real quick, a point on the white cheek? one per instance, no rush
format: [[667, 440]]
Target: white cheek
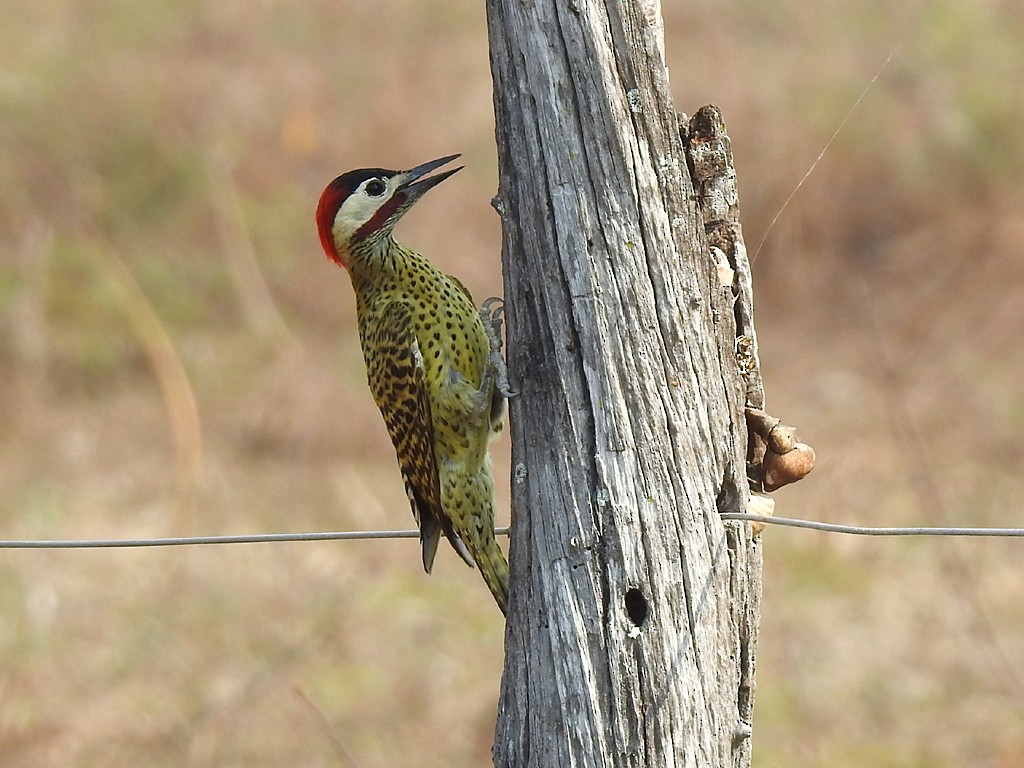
[[355, 212]]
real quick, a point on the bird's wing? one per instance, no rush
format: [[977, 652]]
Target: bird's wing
[[398, 383], [460, 286]]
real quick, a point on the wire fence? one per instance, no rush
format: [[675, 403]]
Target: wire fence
[[271, 538], [862, 530], [179, 541]]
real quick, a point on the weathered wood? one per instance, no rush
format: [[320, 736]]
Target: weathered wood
[[714, 178], [633, 613]]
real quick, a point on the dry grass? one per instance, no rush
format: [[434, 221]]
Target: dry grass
[[188, 142]]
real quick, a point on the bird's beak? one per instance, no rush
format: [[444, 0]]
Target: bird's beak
[[413, 185]]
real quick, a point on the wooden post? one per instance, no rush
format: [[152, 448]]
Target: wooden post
[[634, 609]]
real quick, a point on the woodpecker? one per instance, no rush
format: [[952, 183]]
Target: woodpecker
[[433, 362]]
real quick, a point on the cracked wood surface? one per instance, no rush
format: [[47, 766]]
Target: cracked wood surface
[[633, 612]]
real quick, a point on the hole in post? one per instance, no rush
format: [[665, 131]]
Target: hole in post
[[636, 606]]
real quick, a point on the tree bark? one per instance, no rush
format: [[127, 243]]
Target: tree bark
[[633, 613]]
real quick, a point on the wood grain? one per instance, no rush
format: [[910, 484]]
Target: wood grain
[[633, 610]]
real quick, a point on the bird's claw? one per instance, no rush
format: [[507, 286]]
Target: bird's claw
[[493, 318], [492, 312], [497, 362]]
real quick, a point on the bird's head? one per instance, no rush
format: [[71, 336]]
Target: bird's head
[[360, 207]]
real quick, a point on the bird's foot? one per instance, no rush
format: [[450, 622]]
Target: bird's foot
[[492, 312]]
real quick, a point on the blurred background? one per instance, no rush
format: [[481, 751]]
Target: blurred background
[[177, 357]]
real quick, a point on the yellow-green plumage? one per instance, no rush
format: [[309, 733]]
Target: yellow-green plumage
[[426, 351], [433, 367]]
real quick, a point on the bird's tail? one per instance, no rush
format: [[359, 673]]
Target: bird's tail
[[494, 568], [471, 531]]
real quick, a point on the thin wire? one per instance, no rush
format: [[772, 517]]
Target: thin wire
[[828, 145], [271, 538], [256, 538], [860, 530]]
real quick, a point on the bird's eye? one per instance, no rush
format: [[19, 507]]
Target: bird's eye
[[375, 187]]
